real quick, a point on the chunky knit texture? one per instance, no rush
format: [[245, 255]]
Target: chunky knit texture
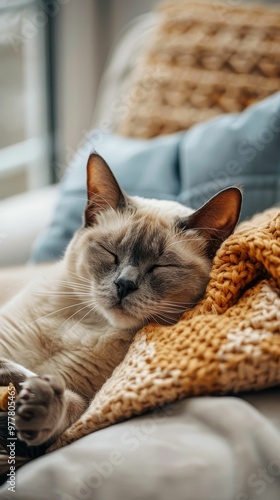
[[206, 58], [229, 342]]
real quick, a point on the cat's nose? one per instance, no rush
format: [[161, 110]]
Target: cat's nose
[[125, 287]]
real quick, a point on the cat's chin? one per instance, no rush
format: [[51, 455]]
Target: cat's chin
[[118, 318]]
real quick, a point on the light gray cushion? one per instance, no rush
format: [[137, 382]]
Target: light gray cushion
[[198, 449]]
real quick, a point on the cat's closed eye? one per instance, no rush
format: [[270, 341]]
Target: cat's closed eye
[[115, 256], [152, 268], [160, 266]]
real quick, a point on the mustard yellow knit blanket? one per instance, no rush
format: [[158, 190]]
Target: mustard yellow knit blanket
[[229, 342]]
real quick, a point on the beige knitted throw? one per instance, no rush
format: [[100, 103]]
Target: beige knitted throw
[[229, 342], [205, 58]]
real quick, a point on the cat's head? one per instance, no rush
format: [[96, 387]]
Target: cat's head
[[146, 260]]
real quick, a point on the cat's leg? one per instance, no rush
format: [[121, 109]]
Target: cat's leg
[[13, 372], [44, 409]]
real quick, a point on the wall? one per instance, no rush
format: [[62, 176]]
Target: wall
[[85, 31]]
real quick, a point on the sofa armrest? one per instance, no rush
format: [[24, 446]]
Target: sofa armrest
[[22, 217]]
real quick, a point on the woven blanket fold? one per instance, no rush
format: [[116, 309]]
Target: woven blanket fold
[[229, 342], [205, 58]]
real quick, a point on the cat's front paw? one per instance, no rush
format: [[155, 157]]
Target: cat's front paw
[[40, 409]]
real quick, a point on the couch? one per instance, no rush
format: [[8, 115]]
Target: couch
[[207, 448]]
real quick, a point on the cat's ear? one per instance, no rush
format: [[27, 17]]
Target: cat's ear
[[103, 190], [217, 218]]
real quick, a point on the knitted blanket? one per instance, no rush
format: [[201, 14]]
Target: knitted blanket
[[205, 58], [229, 342]]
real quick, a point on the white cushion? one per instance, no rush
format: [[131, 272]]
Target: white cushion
[[22, 217]]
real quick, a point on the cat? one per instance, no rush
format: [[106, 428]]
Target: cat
[[135, 260]]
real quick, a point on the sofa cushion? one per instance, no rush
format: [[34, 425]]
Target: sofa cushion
[[22, 218], [235, 149], [205, 58], [209, 448]]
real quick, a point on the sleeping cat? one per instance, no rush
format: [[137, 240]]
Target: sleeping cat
[[134, 261]]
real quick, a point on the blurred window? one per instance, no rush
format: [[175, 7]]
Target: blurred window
[[24, 143]]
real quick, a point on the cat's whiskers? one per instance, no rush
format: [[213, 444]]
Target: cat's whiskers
[[72, 288], [150, 317], [64, 323], [179, 306], [165, 319], [92, 309], [88, 304], [174, 311], [66, 295], [58, 293], [72, 284], [76, 287], [165, 310], [176, 307], [82, 278], [178, 302], [54, 312], [169, 317]]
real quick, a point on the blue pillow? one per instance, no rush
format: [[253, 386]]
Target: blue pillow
[[237, 149], [190, 167]]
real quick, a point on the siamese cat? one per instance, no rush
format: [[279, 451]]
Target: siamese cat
[[134, 261]]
